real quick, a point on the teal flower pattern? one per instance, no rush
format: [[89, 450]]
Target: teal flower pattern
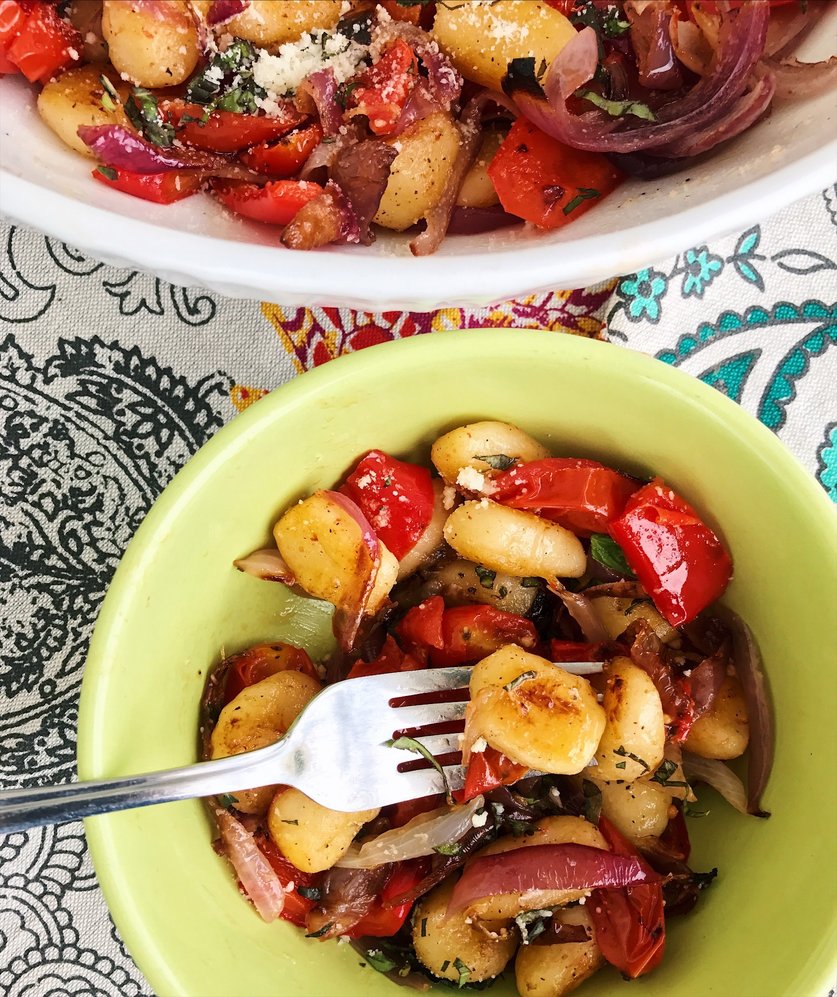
[[700, 268], [641, 294]]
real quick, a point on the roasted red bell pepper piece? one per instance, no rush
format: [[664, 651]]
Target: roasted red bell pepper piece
[[383, 921], [381, 91], [228, 131], [582, 495], [263, 660], [486, 771], [396, 497], [276, 203], [678, 559], [422, 625], [547, 183], [629, 923], [287, 156], [572, 650], [36, 40], [161, 188]]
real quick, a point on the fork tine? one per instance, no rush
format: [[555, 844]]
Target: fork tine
[[439, 744], [418, 682], [407, 717], [428, 782]]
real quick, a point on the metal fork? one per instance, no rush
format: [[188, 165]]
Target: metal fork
[[336, 752]]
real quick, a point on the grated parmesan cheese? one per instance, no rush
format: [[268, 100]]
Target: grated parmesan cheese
[[471, 479], [479, 745], [478, 820]]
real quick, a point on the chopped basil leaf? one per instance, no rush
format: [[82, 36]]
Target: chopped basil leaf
[[344, 92], [607, 551], [309, 892], [107, 171], [502, 591], [666, 769], [357, 26], [387, 482], [377, 960], [411, 744], [624, 753], [521, 76], [612, 25], [632, 605], [290, 821], [226, 800], [690, 810], [531, 924], [498, 461], [424, 927], [521, 678], [110, 98], [518, 827], [584, 194], [451, 848], [592, 801], [618, 108], [621, 765], [463, 970], [444, 965], [530, 583], [322, 931], [144, 115], [486, 577]]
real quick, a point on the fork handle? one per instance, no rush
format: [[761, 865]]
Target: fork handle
[[22, 809]]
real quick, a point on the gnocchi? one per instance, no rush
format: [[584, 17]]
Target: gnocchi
[[722, 732], [152, 46], [555, 970], [469, 446], [78, 98], [638, 809]]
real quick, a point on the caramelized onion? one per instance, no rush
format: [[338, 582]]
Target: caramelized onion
[[267, 564], [254, 871]]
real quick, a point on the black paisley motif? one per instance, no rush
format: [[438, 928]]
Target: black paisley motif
[[22, 298]]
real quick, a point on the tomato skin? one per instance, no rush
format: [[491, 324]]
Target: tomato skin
[[383, 921], [422, 626], [629, 923], [296, 906], [161, 188], [571, 650], [382, 90], [12, 18], [486, 771], [674, 554], [470, 633], [228, 131], [391, 659], [582, 495], [547, 183], [287, 156], [276, 203], [41, 43], [263, 660], [396, 497]]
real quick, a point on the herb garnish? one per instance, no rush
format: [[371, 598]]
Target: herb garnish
[[584, 194], [451, 848], [623, 752], [424, 927], [498, 461], [592, 801], [689, 810], [110, 98], [310, 892], [530, 583], [531, 924], [521, 678], [320, 932], [666, 769], [411, 744], [486, 576], [107, 171], [144, 114], [618, 108], [226, 800], [463, 970], [377, 960], [444, 965], [290, 821], [607, 551]]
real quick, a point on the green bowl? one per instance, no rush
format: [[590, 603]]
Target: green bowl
[[176, 604]]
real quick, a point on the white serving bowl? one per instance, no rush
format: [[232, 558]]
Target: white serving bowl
[[195, 243]]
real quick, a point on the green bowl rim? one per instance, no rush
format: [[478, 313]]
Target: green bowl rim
[[102, 842]]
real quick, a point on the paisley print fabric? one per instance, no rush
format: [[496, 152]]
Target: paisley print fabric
[[110, 380]]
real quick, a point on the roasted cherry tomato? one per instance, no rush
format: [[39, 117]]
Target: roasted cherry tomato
[[262, 661], [396, 497], [276, 203], [629, 923], [228, 131], [547, 183], [678, 559], [422, 625], [296, 905], [287, 156], [381, 91], [487, 770], [391, 659], [582, 495], [470, 633], [383, 921], [571, 650], [161, 188]]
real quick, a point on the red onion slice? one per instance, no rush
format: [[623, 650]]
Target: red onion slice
[[443, 81], [225, 10], [547, 867], [254, 871], [361, 171], [266, 564], [576, 63], [318, 92], [796, 79], [581, 609], [477, 221], [720, 777]]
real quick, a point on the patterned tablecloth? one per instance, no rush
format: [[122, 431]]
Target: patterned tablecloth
[[110, 380]]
